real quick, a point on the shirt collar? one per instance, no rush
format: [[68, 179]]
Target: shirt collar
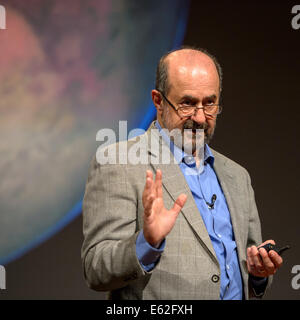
[[179, 154]]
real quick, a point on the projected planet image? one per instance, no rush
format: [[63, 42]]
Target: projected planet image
[[67, 70]]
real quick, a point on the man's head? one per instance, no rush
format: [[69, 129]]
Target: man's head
[[187, 77]]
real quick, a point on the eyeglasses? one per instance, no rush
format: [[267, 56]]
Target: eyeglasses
[[189, 111]]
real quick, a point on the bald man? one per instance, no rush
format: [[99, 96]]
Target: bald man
[[186, 229]]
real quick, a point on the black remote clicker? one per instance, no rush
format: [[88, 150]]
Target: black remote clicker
[[270, 246]]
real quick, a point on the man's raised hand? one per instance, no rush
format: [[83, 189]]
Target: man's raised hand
[[158, 221]]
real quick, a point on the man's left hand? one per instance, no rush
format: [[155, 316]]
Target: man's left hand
[[261, 263]]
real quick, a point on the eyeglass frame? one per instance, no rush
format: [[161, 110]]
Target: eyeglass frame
[[195, 108]]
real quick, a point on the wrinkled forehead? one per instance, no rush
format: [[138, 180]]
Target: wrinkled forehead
[[192, 70]]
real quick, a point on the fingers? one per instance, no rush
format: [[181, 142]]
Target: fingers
[[255, 263], [272, 258], [153, 191], [268, 241], [262, 263], [158, 184], [149, 180], [148, 204], [256, 258], [151, 186], [149, 175], [179, 203], [148, 194], [267, 262], [275, 258]]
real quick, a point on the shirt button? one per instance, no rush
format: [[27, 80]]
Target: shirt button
[[227, 266], [215, 278], [219, 235]]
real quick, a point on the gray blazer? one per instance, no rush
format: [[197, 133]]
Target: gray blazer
[[188, 267]]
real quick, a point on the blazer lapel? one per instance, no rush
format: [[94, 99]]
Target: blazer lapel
[[231, 192], [174, 183]]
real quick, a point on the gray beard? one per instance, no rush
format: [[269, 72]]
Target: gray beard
[[189, 145], [192, 125]]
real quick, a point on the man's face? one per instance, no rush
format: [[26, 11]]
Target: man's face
[[192, 83]]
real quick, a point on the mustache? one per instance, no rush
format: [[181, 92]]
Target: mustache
[[192, 125]]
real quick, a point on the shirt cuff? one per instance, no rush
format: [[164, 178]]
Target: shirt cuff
[[147, 255], [258, 285]]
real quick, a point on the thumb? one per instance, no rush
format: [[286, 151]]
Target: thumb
[[179, 203]]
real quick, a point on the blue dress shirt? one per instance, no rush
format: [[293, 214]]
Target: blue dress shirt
[[203, 184]]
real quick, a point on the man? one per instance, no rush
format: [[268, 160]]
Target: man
[[193, 231]]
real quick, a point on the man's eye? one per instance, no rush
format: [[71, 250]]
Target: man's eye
[[187, 103]]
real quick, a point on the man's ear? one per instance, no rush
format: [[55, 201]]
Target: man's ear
[[157, 100]]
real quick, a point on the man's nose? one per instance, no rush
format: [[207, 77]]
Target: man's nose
[[199, 116]]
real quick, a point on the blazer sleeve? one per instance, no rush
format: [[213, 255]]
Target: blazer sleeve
[[110, 229], [255, 238]]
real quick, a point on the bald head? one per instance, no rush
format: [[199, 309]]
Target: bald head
[[187, 61], [188, 78]]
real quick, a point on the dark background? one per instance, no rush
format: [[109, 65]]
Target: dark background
[[260, 55]]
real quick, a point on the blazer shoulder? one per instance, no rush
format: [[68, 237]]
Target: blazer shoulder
[[121, 153], [231, 164]]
